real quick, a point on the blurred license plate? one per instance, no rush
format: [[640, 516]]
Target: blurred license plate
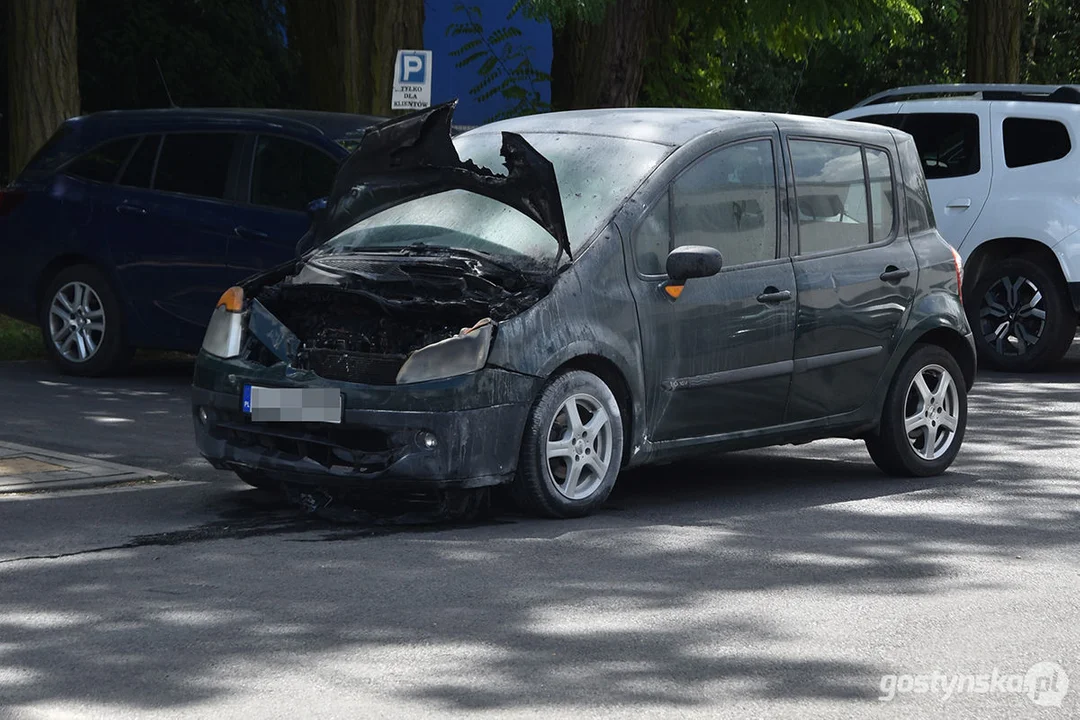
[[265, 404]]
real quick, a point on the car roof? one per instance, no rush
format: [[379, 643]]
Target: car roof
[[333, 125], [664, 126]]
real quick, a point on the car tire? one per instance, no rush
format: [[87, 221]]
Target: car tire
[[82, 323], [1003, 310], [571, 450], [900, 447]]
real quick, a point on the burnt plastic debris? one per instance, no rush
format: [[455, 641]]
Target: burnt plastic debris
[[413, 156]]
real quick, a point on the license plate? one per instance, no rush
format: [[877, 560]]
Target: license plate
[[265, 404]]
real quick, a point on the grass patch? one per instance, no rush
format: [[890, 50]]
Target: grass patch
[[19, 341]]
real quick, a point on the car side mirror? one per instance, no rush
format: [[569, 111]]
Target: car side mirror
[[316, 208], [692, 261]]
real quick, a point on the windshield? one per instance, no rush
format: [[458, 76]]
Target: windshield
[[595, 174]]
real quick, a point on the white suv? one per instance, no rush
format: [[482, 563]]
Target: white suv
[[1004, 178]]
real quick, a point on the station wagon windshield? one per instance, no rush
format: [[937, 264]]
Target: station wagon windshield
[[595, 173]]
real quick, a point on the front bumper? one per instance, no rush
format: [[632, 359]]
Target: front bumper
[[477, 420]]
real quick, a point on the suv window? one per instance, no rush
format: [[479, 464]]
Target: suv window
[[727, 200], [1029, 141], [195, 164], [140, 168], [288, 174], [948, 143], [103, 163], [830, 195]]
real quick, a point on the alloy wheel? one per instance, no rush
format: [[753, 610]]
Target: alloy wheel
[[76, 322], [1012, 315], [931, 412], [578, 448]]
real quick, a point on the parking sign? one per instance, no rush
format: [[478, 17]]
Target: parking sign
[[412, 80]]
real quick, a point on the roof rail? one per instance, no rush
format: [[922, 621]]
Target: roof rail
[[985, 91]]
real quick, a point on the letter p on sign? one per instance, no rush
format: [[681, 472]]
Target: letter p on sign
[[413, 68]]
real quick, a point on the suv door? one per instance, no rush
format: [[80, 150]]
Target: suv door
[[855, 271], [282, 175], [955, 149], [717, 359], [176, 208]]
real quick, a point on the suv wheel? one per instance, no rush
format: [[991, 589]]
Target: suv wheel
[[82, 324], [571, 451], [1021, 315], [925, 414]]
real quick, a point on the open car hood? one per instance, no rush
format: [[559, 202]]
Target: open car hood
[[413, 156]]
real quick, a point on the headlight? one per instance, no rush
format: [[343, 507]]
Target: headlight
[[464, 353], [226, 329]]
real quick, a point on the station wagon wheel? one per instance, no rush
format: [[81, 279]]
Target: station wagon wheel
[[924, 415], [1021, 315], [571, 450], [81, 323]]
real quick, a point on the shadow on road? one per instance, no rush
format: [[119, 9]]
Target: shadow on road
[[629, 607]]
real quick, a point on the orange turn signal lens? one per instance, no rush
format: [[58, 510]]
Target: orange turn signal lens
[[233, 299], [674, 291]]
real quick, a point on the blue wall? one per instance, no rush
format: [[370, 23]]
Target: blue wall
[[449, 82]]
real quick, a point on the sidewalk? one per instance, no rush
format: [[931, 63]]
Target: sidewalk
[[29, 469]]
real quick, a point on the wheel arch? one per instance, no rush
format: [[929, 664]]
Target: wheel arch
[[955, 344], [987, 254], [54, 267]]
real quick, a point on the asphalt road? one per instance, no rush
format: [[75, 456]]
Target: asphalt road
[[778, 583]]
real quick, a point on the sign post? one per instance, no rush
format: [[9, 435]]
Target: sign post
[[412, 80]]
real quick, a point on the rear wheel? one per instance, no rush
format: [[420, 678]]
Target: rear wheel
[[924, 417], [571, 451], [1022, 316], [82, 324]]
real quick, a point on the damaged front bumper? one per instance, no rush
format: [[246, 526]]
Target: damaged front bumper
[[462, 432]]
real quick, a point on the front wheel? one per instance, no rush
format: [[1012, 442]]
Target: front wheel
[[1022, 316], [571, 451], [924, 417]]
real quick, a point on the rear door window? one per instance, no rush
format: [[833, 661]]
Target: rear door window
[[288, 174], [830, 196], [103, 163], [1030, 141], [196, 164]]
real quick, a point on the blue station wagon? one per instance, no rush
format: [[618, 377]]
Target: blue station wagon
[[126, 226]]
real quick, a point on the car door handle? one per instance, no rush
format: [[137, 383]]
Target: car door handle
[[959, 204], [249, 234], [894, 274], [772, 295], [127, 209]]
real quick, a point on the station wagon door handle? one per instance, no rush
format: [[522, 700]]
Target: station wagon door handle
[[959, 204], [772, 295], [894, 274], [126, 209], [248, 233]]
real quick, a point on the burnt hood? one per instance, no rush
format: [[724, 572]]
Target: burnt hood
[[413, 156]]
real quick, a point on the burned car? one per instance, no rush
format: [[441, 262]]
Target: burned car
[[545, 301]]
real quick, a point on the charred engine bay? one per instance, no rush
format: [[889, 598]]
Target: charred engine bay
[[358, 319]]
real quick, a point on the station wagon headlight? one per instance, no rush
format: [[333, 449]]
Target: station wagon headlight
[[226, 329], [464, 353]]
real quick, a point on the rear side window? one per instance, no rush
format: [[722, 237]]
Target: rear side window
[[727, 200], [195, 164], [1029, 141], [830, 195], [140, 168], [288, 174], [103, 163], [882, 210], [948, 143]]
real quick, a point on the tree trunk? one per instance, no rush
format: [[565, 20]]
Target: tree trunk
[[324, 34], [994, 40], [385, 28], [43, 74], [601, 65]]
